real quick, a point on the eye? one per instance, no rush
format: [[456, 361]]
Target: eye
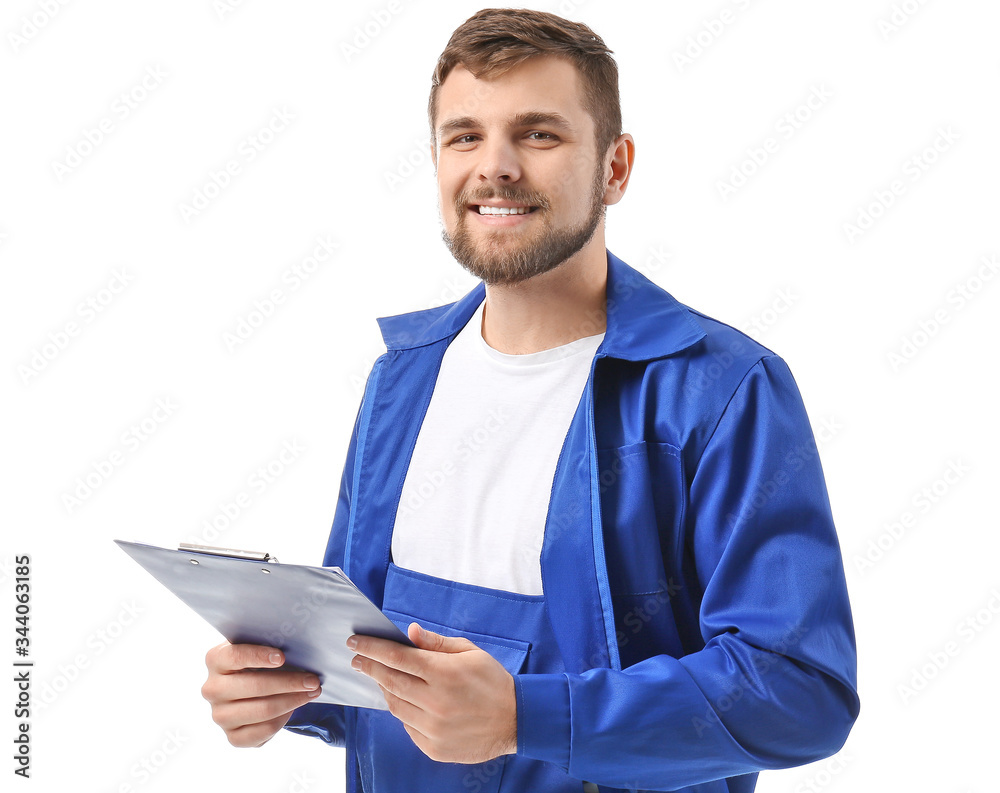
[[461, 139], [546, 134]]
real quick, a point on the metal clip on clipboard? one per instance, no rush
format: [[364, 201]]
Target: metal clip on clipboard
[[232, 553]]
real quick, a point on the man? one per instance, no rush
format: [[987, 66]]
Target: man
[[598, 513]]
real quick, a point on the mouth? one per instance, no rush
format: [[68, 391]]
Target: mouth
[[501, 217], [491, 211]]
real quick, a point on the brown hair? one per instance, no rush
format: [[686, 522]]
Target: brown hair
[[495, 40]]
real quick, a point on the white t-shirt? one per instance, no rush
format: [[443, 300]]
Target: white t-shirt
[[477, 489]]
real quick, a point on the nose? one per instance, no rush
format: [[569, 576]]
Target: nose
[[498, 162]]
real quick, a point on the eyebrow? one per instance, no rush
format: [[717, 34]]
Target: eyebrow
[[528, 119]]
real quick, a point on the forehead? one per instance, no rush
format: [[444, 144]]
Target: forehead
[[545, 84]]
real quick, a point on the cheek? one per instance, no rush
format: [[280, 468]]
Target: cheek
[[568, 187], [448, 191], [446, 201], [569, 198]]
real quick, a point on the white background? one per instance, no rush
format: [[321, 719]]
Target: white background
[[119, 661]]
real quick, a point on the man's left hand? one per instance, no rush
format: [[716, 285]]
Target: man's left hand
[[456, 701]]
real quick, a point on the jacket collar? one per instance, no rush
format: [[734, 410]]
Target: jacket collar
[[644, 320]]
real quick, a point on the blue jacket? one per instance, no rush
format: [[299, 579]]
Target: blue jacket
[[692, 571]]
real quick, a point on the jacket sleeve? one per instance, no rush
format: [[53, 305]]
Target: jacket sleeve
[[323, 720], [775, 684]]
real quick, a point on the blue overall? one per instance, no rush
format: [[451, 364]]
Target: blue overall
[[519, 637], [694, 583]]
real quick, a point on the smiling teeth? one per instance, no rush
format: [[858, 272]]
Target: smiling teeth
[[485, 210]]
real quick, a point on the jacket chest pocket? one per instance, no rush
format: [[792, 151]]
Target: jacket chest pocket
[[641, 486]]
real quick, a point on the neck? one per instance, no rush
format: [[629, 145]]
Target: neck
[[551, 309]]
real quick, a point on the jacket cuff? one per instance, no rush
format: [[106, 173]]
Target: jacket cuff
[[543, 718], [319, 720]]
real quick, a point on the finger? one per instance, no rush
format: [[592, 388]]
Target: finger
[[428, 640], [257, 734], [401, 684], [261, 710], [389, 653], [427, 746], [406, 712], [226, 658], [418, 738], [248, 684]]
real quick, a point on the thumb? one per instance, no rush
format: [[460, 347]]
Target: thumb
[[428, 640]]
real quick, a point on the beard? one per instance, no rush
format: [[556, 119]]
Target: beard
[[505, 256]]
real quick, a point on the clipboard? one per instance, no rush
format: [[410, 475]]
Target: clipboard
[[306, 612]]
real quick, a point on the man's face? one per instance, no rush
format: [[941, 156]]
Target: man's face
[[520, 140]]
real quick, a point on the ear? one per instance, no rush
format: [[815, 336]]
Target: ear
[[622, 157]]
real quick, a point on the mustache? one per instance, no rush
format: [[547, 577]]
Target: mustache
[[516, 196]]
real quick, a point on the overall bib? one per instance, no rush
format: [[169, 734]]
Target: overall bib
[[519, 637]]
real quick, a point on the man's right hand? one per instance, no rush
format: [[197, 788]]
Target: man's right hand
[[252, 697]]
